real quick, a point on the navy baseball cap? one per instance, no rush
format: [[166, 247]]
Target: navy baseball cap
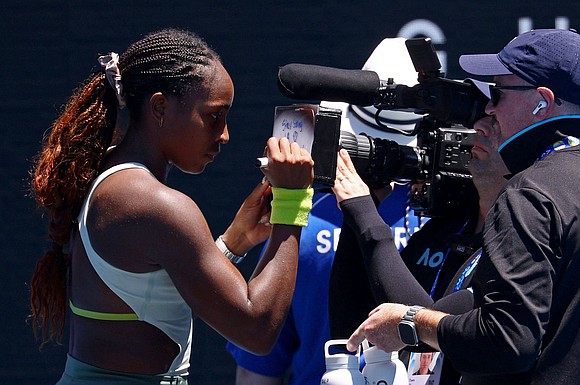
[[543, 57]]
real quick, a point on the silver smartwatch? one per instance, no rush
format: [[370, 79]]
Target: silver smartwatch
[[407, 329]]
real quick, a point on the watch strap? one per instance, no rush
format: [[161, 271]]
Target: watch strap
[[410, 314], [227, 252]]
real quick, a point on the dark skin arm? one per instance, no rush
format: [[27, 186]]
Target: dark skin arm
[[249, 314], [167, 230]]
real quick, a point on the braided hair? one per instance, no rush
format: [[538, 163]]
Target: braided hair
[[170, 61]]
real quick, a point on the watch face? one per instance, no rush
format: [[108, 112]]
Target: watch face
[[408, 333]]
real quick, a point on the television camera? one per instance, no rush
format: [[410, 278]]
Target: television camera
[[444, 134]]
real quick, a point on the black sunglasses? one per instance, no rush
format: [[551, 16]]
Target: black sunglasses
[[495, 93]]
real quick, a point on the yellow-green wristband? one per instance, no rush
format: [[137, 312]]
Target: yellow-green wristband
[[291, 206]]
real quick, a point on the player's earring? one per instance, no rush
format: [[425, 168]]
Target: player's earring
[[161, 122]]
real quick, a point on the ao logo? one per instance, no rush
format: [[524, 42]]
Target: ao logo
[[424, 27], [431, 260]]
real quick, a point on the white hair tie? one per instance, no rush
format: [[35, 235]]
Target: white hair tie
[[111, 64]]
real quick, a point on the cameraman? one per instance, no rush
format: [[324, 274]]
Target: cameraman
[[386, 276], [526, 290]]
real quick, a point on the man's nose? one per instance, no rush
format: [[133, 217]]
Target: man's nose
[[489, 108]]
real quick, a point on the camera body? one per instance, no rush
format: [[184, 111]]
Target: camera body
[[447, 186], [437, 167]]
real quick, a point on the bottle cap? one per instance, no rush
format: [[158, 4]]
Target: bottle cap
[[344, 359], [373, 354]]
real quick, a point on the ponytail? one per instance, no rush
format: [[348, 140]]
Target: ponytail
[[68, 162]]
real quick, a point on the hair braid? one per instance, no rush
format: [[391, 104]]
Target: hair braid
[[66, 166], [170, 61]]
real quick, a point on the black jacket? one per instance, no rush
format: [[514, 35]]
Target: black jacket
[[524, 327]]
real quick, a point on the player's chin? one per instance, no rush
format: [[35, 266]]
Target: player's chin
[[193, 169]]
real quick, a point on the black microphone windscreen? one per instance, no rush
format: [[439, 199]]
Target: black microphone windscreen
[[313, 82]]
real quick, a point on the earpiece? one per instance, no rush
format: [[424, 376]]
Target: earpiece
[[540, 105]]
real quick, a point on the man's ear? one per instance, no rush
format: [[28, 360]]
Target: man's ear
[[157, 105], [546, 104]]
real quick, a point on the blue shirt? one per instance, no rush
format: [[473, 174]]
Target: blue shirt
[[300, 345]]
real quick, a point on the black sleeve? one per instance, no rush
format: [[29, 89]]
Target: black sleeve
[[388, 276], [350, 298], [365, 263], [368, 270]]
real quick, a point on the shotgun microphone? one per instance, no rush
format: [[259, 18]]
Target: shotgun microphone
[[313, 82]]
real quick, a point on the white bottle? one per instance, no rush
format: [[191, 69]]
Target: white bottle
[[341, 368], [383, 368]]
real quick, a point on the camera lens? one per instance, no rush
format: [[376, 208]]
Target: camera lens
[[380, 161]]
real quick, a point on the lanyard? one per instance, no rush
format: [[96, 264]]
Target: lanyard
[[468, 270], [567, 142], [432, 292]]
